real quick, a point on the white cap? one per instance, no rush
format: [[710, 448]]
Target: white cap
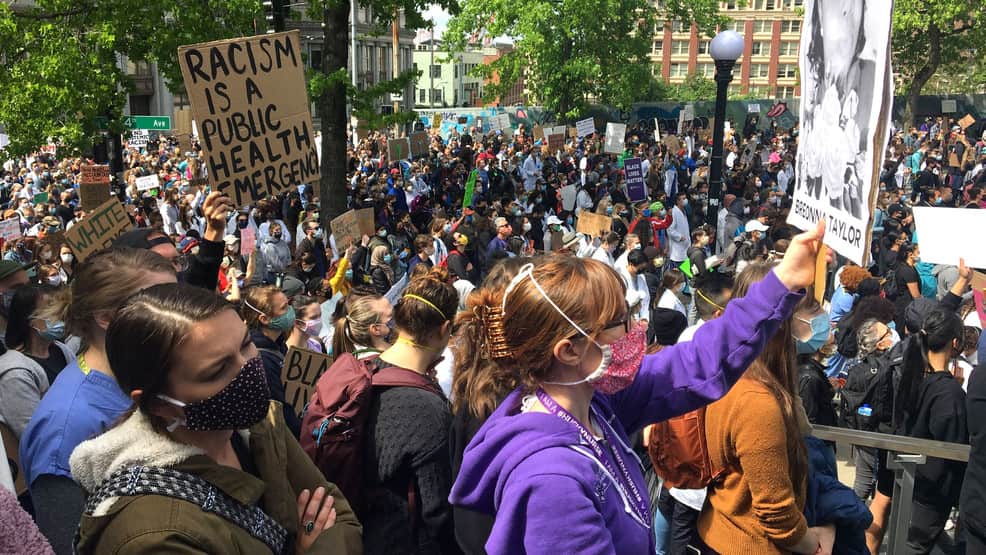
[[553, 220], [755, 225]]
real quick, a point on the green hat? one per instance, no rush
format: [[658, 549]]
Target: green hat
[[656, 207], [9, 267]]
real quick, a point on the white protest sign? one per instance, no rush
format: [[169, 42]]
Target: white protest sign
[[657, 131], [10, 230], [148, 182], [844, 129], [615, 135], [753, 108], [585, 127], [936, 234], [949, 106], [250, 100], [500, 122], [139, 138]]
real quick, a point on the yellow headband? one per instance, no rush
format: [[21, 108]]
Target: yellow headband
[[708, 300], [427, 302]]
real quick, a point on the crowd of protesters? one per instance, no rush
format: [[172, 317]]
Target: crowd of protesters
[[496, 372]]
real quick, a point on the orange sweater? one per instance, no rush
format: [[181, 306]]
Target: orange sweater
[[756, 509]]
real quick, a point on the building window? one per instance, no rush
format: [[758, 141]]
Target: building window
[[678, 26], [679, 47], [796, 3], [436, 71], [436, 96], [703, 47], [789, 48], [679, 70], [422, 95], [705, 69], [737, 25], [787, 71], [657, 48], [785, 92], [763, 26], [730, 5], [791, 26], [760, 48], [315, 58], [759, 71], [768, 4]]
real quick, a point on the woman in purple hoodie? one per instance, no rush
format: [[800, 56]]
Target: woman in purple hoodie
[[553, 464]]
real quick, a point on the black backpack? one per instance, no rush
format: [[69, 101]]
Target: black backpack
[[867, 399], [890, 287]]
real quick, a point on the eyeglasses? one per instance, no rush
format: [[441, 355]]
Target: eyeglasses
[[624, 321]]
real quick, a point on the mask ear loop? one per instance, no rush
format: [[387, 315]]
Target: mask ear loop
[[176, 421], [527, 271]]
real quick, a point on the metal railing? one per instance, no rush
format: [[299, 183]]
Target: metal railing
[[904, 456]]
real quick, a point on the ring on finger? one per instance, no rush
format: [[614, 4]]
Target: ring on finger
[[309, 526]]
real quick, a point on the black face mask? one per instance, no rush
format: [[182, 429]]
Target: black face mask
[[242, 224]]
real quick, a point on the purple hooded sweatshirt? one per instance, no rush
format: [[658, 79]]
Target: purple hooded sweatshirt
[[549, 493]]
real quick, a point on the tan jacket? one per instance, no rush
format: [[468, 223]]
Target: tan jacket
[[757, 509], [159, 524]]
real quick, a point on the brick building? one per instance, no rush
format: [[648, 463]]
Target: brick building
[[769, 65]]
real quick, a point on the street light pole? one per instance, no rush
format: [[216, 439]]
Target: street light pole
[[725, 49]]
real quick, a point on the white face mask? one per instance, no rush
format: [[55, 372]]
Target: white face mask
[[67, 258], [527, 227]]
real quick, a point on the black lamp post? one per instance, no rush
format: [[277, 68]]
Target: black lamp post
[[725, 49]]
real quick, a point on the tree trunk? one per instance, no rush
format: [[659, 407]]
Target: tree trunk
[[924, 74], [332, 111]]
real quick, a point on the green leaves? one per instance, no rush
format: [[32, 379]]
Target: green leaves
[[61, 60], [573, 52]]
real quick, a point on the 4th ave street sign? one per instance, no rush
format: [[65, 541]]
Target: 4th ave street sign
[[149, 123]]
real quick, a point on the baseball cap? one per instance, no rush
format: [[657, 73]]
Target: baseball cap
[[553, 220], [461, 239], [656, 206], [755, 225], [231, 239], [9, 268], [138, 239]]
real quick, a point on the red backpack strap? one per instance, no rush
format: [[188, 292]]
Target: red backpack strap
[[395, 376]]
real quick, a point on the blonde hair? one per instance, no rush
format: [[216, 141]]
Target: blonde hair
[[354, 328], [260, 298]]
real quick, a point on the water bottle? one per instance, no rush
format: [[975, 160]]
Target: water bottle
[[864, 412]]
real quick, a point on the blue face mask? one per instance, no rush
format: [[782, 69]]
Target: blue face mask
[[403, 255], [388, 258], [820, 329], [938, 200], [568, 221], [284, 322], [349, 275], [609, 210], [382, 233], [646, 212], [892, 325], [54, 331]]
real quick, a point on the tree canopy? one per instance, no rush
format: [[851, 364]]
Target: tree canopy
[[573, 52], [60, 70]]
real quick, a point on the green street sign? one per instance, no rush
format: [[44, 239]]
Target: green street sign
[[150, 123]]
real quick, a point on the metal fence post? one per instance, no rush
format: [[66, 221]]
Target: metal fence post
[[904, 467]]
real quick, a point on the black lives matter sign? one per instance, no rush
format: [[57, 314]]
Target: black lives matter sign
[[248, 97]]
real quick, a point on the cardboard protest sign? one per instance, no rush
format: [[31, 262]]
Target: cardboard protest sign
[[148, 182], [92, 195], [594, 225], [248, 241], [300, 373], [844, 129], [398, 149], [585, 127], [538, 132], [436, 121], [556, 141], [966, 121], [615, 135], [96, 174], [936, 232], [249, 98], [10, 230], [636, 186], [98, 230], [420, 144], [350, 227]]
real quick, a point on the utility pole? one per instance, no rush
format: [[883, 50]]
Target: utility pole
[[352, 37], [396, 64]]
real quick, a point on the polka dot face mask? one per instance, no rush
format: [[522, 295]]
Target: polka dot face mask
[[241, 404]]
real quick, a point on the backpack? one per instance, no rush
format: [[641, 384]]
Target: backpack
[[890, 287], [680, 452], [333, 431], [867, 399]]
